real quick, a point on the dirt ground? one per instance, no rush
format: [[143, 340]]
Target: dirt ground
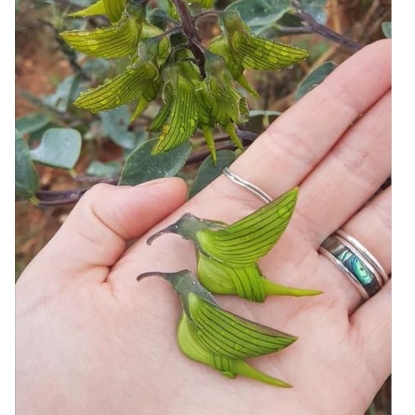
[[39, 65]]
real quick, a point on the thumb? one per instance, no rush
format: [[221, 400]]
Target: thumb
[[96, 232]]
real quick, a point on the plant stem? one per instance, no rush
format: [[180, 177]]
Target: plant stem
[[189, 29], [316, 27]]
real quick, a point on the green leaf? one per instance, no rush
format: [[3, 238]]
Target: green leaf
[[110, 169], [208, 171], [260, 14], [31, 123], [59, 147], [387, 29], [115, 124], [97, 67], [64, 94], [141, 166], [314, 78], [26, 177], [316, 8]]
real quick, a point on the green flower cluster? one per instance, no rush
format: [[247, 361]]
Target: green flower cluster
[[195, 95], [227, 257]]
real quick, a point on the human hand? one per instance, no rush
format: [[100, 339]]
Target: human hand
[[90, 339]]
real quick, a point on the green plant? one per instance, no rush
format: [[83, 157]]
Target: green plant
[[181, 80]]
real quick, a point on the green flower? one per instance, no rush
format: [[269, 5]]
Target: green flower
[[217, 338], [247, 282], [227, 255], [220, 46], [113, 9], [178, 117], [225, 103], [206, 4], [255, 52], [243, 243], [140, 81], [115, 41]]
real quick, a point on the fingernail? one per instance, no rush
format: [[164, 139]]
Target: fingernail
[[156, 182]]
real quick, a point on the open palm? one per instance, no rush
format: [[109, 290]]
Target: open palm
[[91, 339]]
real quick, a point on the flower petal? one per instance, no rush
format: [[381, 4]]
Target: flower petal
[[246, 241], [229, 335], [92, 10], [108, 42], [183, 117], [265, 54], [117, 91]]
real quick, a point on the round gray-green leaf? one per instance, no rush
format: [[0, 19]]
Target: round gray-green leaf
[[110, 169], [31, 123], [316, 8], [314, 78], [261, 13], [115, 123], [141, 166], [26, 177], [387, 29], [59, 147], [208, 171]]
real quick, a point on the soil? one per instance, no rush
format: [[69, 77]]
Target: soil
[[39, 65]]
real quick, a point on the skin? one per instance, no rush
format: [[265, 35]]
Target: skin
[[91, 339]]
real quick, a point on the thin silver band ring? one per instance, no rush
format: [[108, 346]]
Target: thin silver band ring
[[348, 254], [244, 183]]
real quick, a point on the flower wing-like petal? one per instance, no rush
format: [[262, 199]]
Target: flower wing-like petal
[[114, 9], [265, 54], [92, 10], [247, 240], [109, 42], [117, 91], [229, 335], [207, 4]]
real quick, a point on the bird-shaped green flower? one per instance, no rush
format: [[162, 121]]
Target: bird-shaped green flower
[[241, 50], [178, 117], [220, 339], [226, 105], [114, 41], [140, 81], [228, 254], [255, 52]]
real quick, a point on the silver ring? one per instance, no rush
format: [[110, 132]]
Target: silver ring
[[247, 185], [355, 261]]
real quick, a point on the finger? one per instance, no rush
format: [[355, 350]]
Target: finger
[[296, 142], [350, 174], [95, 233], [372, 228]]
